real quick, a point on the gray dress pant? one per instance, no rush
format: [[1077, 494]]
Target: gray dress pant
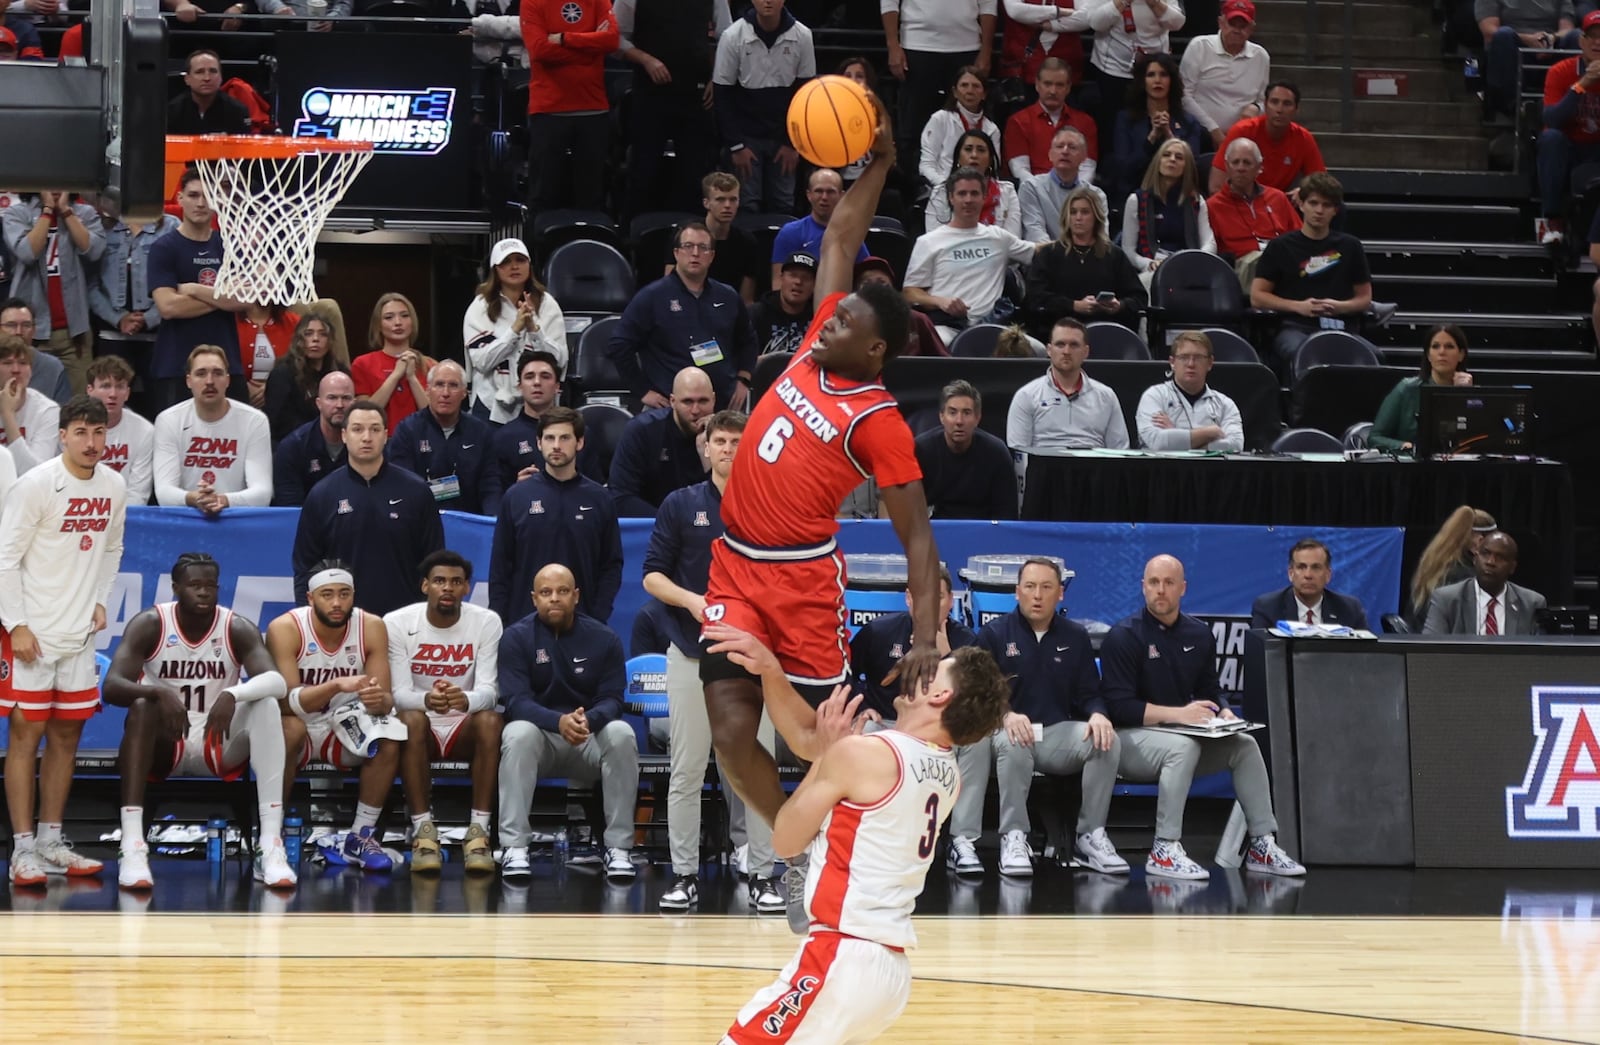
[[528, 753], [1172, 761]]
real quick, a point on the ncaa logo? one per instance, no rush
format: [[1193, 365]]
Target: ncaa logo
[[1560, 794], [570, 13]]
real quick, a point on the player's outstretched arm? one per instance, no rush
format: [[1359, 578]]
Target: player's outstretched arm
[[907, 506], [847, 229], [857, 768]]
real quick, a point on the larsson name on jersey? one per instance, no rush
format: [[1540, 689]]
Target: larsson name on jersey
[[210, 452], [87, 515], [941, 771], [807, 412], [192, 669], [442, 660]]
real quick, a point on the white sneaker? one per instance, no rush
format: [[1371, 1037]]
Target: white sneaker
[[683, 894], [58, 858], [766, 898], [962, 858], [619, 864], [514, 863], [741, 860], [25, 868], [133, 866], [1168, 860], [1016, 859], [1265, 856], [272, 867], [1095, 851]]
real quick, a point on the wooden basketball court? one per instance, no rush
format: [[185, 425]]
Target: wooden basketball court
[[278, 978]]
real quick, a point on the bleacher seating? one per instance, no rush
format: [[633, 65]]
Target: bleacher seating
[[1333, 348], [977, 342], [1115, 341], [590, 276]]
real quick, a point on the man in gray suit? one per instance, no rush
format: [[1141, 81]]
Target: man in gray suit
[[1488, 603]]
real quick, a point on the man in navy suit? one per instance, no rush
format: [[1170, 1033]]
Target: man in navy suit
[[1307, 599]]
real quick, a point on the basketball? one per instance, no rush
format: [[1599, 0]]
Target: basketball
[[832, 121]]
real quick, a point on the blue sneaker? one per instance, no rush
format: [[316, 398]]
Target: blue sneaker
[[363, 851]]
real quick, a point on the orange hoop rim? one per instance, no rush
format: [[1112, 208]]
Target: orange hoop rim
[[186, 147]]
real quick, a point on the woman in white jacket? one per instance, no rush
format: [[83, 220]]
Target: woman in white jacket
[[511, 313], [962, 112]]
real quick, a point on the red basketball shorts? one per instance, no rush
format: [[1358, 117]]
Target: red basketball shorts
[[795, 607]]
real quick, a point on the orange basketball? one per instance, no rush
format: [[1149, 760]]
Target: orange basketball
[[832, 121]]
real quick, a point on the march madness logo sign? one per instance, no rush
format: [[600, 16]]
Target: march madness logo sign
[[1560, 795]]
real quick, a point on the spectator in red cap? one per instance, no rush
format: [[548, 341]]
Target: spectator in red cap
[[1225, 75], [924, 339], [1289, 152], [1572, 126], [1511, 25]]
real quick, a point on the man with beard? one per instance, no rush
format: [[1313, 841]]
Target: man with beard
[[313, 451], [442, 660], [782, 314], [659, 452]]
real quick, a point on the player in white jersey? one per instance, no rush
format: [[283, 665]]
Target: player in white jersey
[[60, 546], [869, 811], [177, 673], [29, 419], [444, 658], [335, 660], [130, 439], [211, 452]]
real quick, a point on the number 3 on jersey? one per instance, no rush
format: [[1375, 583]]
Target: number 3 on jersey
[[775, 439], [926, 843]]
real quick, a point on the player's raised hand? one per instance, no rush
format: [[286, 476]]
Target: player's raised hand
[[218, 718], [836, 717], [915, 670], [743, 648]]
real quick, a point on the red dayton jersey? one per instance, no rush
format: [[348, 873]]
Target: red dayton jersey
[[816, 438]]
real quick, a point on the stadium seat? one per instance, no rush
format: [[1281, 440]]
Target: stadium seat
[[602, 431], [650, 235], [886, 239], [1229, 347], [1193, 289], [1114, 341], [588, 276], [1355, 437], [594, 376], [924, 420], [1333, 348], [1307, 441], [551, 229], [977, 342]]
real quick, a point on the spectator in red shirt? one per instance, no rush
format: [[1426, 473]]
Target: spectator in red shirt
[[1572, 126], [1288, 151], [1040, 29], [1029, 131], [1246, 215], [567, 42]]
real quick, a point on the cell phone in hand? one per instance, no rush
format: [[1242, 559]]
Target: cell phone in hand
[[1105, 297]]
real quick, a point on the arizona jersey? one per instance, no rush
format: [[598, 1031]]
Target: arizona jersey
[[319, 664], [465, 654], [816, 436], [199, 670], [869, 863]]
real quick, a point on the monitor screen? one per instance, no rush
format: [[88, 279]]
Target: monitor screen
[[1474, 420]]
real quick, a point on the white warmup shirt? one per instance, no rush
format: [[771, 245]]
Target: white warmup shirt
[[60, 547], [131, 449], [40, 421], [1212, 408], [1218, 85], [1115, 47], [233, 454], [1043, 417], [939, 26], [466, 654]]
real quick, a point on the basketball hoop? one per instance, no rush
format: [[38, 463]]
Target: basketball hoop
[[271, 195]]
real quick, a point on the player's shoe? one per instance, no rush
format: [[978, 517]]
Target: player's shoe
[[272, 867], [794, 889], [619, 864], [1095, 851], [26, 868], [682, 894], [478, 857], [962, 858], [1168, 860], [58, 858], [133, 866], [425, 855], [514, 863], [1266, 857], [362, 850], [766, 898], [1016, 859]]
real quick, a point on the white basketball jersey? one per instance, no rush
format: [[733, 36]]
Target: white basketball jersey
[[319, 664], [869, 863], [199, 670]]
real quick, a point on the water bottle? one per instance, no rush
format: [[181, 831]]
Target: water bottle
[[216, 839], [561, 844], [293, 832]]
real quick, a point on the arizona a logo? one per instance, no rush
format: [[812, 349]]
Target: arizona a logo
[[1560, 795]]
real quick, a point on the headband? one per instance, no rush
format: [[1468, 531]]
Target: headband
[[333, 575]]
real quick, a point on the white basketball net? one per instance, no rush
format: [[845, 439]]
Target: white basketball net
[[271, 211]]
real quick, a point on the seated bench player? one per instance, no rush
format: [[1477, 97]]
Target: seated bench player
[[443, 655], [334, 658], [177, 672]]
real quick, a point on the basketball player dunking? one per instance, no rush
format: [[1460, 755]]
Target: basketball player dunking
[[826, 425], [869, 811], [177, 673]]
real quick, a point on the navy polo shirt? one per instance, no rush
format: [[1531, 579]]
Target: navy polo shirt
[[1053, 678], [544, 520], [1143, 661], [690, 519], [421, 447], [300, 462], [878, 647]]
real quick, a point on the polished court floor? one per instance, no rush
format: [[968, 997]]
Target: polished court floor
[[1347, 955]]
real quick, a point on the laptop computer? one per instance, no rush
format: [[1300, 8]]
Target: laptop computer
[[1474, 419]]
